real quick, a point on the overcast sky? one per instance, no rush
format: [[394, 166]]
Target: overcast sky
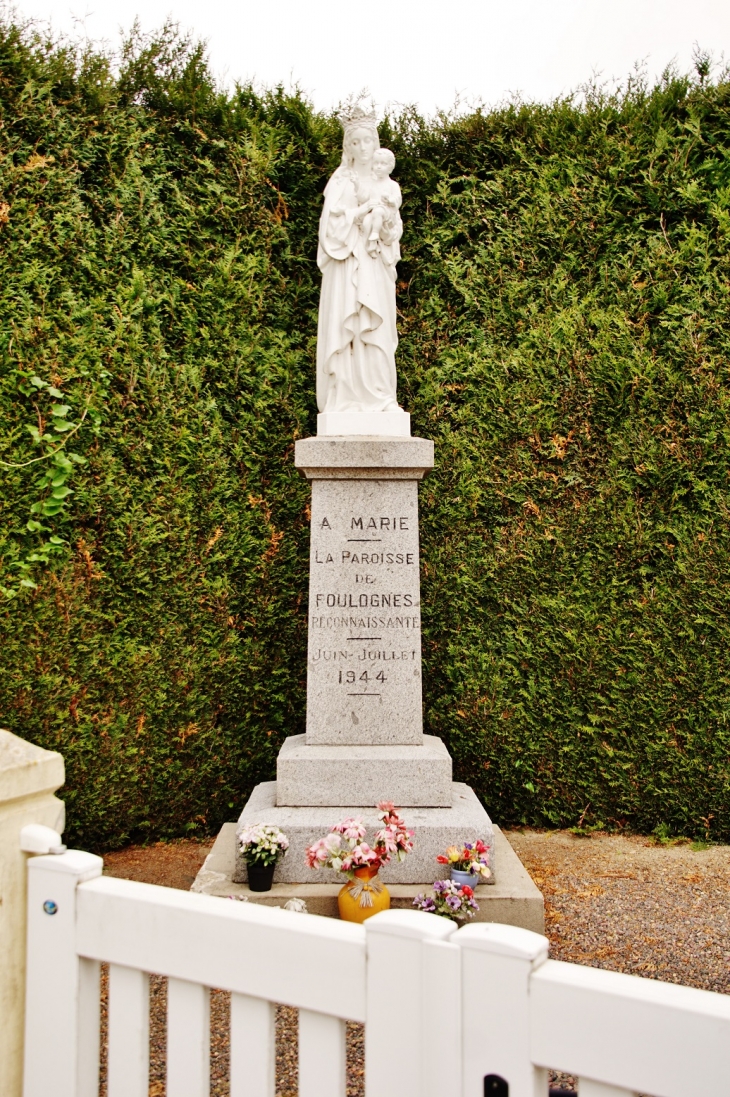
[[426, 52]]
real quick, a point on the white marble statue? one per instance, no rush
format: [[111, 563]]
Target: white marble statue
[[358, 250]]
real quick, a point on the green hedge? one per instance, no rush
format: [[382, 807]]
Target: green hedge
[[565, 337]]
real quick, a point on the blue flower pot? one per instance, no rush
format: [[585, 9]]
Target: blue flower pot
[[462, 878]]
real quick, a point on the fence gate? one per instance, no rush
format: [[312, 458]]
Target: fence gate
[[475, 1012]]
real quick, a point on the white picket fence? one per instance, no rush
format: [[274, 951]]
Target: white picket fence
[[442, 1008]]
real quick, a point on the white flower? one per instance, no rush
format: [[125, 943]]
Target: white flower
[[260, 838], [333, 843]]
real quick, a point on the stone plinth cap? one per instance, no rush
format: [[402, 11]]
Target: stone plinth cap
[[324, 775], [374, 458], [26, 769]]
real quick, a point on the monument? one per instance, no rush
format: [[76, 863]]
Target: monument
[[364, 738]]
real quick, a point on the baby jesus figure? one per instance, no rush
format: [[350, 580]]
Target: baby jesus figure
[[383, 201]]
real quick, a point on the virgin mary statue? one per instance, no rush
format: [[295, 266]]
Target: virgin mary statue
[[357, 336]]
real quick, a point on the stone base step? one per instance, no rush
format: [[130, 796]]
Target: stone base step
[[436, 829], [513, 899], [326, 776]]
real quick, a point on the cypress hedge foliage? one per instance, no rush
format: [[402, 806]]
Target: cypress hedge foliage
[[565, 337]]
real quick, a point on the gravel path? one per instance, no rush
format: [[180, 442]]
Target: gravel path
[[624, 904], [614, 902]]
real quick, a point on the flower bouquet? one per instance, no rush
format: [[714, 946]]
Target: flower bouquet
[[450, 900], [345, 850], [262, 846], [469, 863]]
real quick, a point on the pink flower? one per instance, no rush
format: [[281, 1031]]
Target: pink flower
[[315, 854], [344, 848], [350, 828]]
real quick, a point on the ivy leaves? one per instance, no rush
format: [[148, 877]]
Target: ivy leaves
[[53, 484], [50, 430]]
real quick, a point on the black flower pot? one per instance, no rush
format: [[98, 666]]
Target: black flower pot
[[260, 877]]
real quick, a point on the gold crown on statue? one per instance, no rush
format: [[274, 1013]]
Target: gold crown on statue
[[352, 116]]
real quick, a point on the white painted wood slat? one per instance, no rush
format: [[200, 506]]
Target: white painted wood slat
[[253, 1049], [587, 1088], [150, 928], [89, 1030], [322, 1071], [637, 1034], [188, 1039], [129, 1032], [441, 1018]]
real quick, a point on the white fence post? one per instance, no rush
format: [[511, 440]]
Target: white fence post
[[62, 989], [396, 999], [28, 778], [496, 964]]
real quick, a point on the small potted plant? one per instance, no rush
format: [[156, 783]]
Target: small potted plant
[[345, 850], [449, 900], [262, 846], [469, 863]]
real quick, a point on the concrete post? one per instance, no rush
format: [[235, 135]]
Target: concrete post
[[29, 776]]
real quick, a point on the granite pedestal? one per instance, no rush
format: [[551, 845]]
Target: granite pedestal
[[364, 653], [364, 738]]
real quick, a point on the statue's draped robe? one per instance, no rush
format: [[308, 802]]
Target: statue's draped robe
[[357, 338]]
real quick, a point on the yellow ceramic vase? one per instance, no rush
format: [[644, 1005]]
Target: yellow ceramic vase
[[364, 896]]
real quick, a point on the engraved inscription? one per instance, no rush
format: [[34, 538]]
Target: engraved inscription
[[365, 622], [378, 524], [364, 678], [363, 601], [370, 558]]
